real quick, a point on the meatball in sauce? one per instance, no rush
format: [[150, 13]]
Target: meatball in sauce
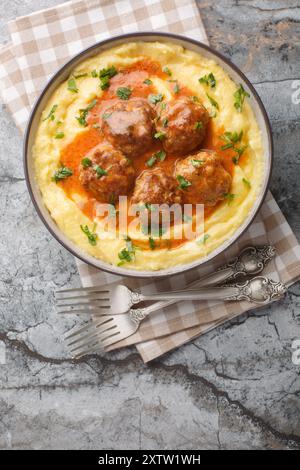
[[182, 123], [156, 187], [207, 180], [106, 173], [128, 126]]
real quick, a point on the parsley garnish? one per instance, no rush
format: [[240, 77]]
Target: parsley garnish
[[203, 240], [106, 115], [72, 85], [62, 174], [208, 80], [84, 112], [152, 243], [92, 237], [198, 125], [100, 171], [159, 135], [155, 98], [167, 71], [81, 75], [123, 93], [59, 135], [213, 102], [160, 155], [86, 162], [247, 182], [127, 254], [197, 163], [163, 106], [232, 138], [183, 183], [147, 81], [94, 73], [176, 88], [229, 196], [105, 75], [239, 95], [51, 113], [165, 122]]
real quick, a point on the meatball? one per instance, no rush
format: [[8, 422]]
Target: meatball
[[155, 187], [128, 126], [203, 178], [182, 123], [107, 173]]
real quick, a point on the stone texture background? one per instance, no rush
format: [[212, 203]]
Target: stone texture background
[[234, 388]]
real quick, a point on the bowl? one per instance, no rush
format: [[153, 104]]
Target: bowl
[[63, 73]]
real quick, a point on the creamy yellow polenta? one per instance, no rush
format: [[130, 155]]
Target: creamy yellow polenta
[[187, 67]]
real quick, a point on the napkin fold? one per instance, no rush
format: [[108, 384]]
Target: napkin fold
[[43, 41]]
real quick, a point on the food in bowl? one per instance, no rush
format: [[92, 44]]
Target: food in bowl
[[157, 124]]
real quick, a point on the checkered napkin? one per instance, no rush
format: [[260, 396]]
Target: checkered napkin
[[43, 41]]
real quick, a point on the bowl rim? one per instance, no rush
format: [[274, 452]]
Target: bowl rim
[[162, 273]]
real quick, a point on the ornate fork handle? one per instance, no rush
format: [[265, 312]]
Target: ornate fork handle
[[250, 261], [259, 290]]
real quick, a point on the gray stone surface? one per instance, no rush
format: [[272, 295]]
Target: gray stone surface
[[236, 387]]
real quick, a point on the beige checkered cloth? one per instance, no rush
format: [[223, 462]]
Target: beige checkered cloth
[[46, 39]]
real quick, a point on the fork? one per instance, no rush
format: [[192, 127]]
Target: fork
[[114, 328], [119, 299]]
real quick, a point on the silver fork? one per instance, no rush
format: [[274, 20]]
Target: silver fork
[[251, 260], [119, 299], [113, 328]]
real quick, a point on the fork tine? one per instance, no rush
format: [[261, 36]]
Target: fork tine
[[89, 297], [92, 334], [84, 289], [80, 330], [80, 337], [86, 309], [97, 347]]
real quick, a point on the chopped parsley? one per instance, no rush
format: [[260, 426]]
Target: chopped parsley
[[100, 171], [94, 73], [229, 197], [160, 155], [127, 254], [51, 116], [208, 80], [86, 162], [155, 98], [151, 161], [84, 112], [105, 75], [197, 163], [152, 243], [239, 97], [165, 122], [61, 174], [81, 75], [198, 125], [163, 106], [106, 115], [231, 139], [247, 183], [176, 88], [147, 81], [72, 85], [124, 92], [159, 135], [92, 237], [167, 71], [59, 135], [213, 102], [183, 183], [203, 240]]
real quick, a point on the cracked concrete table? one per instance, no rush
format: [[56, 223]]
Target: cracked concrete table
[[236, 387]]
